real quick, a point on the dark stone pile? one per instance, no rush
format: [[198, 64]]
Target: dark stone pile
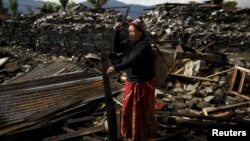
[[197, 25], [61, 33]]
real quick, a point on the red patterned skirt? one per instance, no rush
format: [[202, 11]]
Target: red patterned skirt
[[138, 120]]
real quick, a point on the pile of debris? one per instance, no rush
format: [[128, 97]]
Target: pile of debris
[[198, 25], [31, 40], [67, 34], [59, 93], [50, 98], [11, 66], [204, 85], [16, 61]]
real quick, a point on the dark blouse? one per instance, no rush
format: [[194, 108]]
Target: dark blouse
[[137, 60]]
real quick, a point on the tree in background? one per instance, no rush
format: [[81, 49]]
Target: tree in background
[[229, 4], [2, 9], [13, 4], [71, 4], [64, 4], [97, 3], [50, 7]]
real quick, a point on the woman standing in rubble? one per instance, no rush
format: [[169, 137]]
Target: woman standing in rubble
[[138, 122]]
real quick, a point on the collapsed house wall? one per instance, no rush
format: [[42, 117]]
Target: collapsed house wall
[[65, 34]]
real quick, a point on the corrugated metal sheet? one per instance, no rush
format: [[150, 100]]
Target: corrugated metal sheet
[[19, 100], [47, 69]]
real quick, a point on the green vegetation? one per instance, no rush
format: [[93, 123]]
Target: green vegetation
[[50, 7], [97, 3], [229, 4], [71, 4], [64, 4], [13, 4]]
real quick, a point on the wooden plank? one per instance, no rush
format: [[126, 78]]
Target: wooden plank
[[191, 123], [240, 95], [228, 107], [179, 70], [14, 127], [78, 133], [118, 102], [242, 69], [193, 77], [209, 45], [218, 73], [242, 79], [225, 114], [234, 75], [110, 104], [194, 56]]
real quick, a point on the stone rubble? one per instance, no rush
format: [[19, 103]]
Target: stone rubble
[[61, 33], [197, 25], [39, 38]]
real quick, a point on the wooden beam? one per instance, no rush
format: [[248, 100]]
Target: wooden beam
[[118, 102], [233, 78], [225, 114], [14, 127], [193, 77], [242, 69], [191, 123], [207, 46], [242, 79], [218, 73], [240, 95], [110, 104], [228, 107], [194, 56]]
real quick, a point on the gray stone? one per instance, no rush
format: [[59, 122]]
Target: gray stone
[[203, 104]]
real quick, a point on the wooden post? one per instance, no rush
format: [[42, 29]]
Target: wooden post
[[110, 104]]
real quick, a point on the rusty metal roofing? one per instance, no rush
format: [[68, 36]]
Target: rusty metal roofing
[[19, 100], [47, 69]]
